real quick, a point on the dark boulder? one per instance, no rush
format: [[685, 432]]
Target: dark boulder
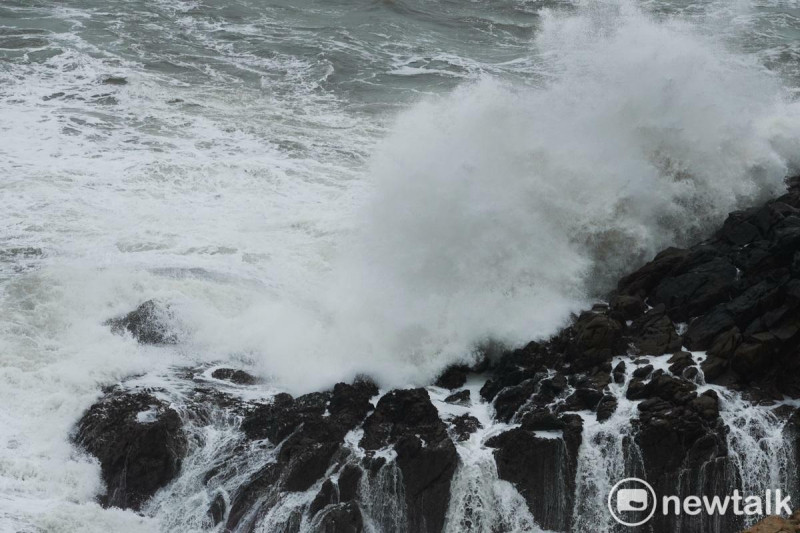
[[350, 403], [593, 339], [139, 442], [340, 518], [453, 377], [259, 489], [695, 292], [463, 426], [606, 408], [148, 323], [683, 449], [216, 511], [626, 307], [641, 282], [542, 469], [664, 386], [582, 400], [654, 333], [309, 431], [349, 479], [328, 495], [619, 373], [509, 400], [239, 377], [679, 362], [277, 420], [426, 457], [459, 398], [643, 372]]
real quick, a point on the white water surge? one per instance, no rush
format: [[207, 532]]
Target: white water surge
[[302, 234]]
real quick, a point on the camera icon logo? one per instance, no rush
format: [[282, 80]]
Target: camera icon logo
[[632, 502]]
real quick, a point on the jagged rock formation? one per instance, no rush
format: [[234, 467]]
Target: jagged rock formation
[[139, 442], [147, 323], [390, 461]]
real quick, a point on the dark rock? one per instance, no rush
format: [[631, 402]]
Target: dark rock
[[328, 495], [404, 419], [453, 377], [510, 399], [642, 282], [698, 290], [683, 449], [541, 420], [464, 426], [349, 478], [240, 377], [619, 373], [595, 338], [115, 80], [306, 454], [724, 346], [351, 403], [552, 387], [276, 421], [583, 400], [643, 372], [139, 442], [654, 333], [679, 362], [664, 386], [753, 356], [516, 366], [707, 405], [310, 430], [542, 470], [606, 408], [216, 511], [713, 368], [459, 398], [738, 230], [148, 323], [626, 307], [341, 518], [260, 485], [705, 329]]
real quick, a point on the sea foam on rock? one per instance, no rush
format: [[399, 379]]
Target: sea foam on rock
[[349, 463], [139, 442]]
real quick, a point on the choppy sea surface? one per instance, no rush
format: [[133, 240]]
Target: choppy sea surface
[[326, 188]]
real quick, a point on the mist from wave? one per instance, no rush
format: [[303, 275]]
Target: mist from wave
[[299, 228], [499, 209]]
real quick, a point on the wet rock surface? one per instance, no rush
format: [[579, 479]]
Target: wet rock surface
[[139, 442], [542, 468], [739, 292], [239, 377], [427, 458], [735, 296], [148, 323]]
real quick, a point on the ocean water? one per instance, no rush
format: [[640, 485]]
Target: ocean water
[[326, 189]]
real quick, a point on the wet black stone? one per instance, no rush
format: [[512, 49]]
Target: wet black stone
[[148, 323], [240, 377], [138, 454]]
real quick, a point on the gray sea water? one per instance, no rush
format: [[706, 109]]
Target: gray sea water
[[327, 188]]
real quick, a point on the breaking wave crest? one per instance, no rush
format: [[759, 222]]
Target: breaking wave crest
[[499, 209]]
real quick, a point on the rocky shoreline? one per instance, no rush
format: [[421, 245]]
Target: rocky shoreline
[[678, 341]]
